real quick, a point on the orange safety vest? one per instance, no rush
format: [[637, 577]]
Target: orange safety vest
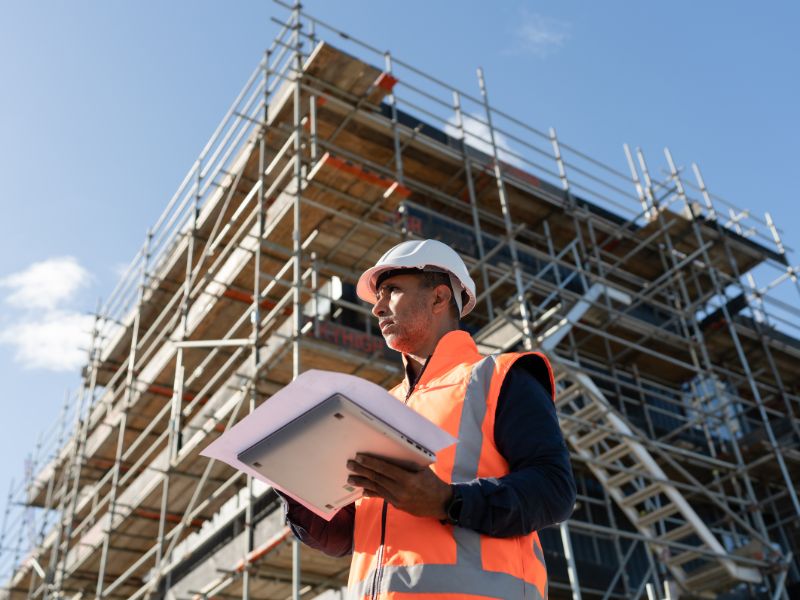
[[398, 555]]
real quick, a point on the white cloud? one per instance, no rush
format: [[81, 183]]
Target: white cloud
[[46, 284], [56, 340], [477, 135], [43, 331], [540, 35]]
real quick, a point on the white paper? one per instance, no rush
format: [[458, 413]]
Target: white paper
[[305, 392]]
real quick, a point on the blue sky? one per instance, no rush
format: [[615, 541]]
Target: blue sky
[[105, 105]]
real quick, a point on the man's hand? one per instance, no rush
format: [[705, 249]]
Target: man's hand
[[420, 493]]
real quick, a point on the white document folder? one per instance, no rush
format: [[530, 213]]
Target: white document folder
[[313, 477]]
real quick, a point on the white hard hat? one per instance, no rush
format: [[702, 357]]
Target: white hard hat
[[425, 255]]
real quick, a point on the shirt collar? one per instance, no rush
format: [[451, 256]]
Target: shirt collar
[[453, 348]]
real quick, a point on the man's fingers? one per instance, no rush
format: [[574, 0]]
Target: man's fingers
[[381, 478], [376, 474], [371, 488], [362, 482], [359, 469], [360, 473], [383, 467], [418, 492]]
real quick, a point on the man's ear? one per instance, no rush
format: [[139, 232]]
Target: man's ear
[[442, 298]]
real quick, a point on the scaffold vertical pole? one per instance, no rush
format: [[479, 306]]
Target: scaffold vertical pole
[[572, 571], [130, 380], [297, 309], [4, 531], [312, 126], [21, 534], [776, 236], [176, 409], [527, 335], [392, 100], [637, 182], [571, 209], [562, 170], [473, 203]]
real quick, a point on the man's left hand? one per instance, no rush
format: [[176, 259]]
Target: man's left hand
[[420, 493]]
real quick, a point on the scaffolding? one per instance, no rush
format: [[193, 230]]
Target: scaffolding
[[669, 314]]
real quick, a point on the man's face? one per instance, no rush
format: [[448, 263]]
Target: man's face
[[404, 312]]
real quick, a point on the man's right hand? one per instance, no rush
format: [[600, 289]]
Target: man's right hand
[[417, 492]]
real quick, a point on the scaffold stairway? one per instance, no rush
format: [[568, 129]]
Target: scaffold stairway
[[641, 488], [610, 446]]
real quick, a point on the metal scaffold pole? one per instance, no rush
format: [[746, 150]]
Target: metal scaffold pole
[[176, 409], [129, 393], [527, 335], [791, 271], [6, 523], [398, 149], [572, 571], [570, 208], [473, 202], [297, 307], [255, 319]]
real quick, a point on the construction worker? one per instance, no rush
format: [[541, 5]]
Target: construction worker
[[466, 526]]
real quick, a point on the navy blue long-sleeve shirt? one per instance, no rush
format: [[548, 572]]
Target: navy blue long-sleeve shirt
[[538, 491]]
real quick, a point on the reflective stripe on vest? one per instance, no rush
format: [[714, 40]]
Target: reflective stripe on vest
[[451, 579], [467, 575]]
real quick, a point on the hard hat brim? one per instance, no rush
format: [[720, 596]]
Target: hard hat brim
[[365, 288]]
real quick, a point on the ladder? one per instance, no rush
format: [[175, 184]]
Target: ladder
[[611, 449], [636, 482]]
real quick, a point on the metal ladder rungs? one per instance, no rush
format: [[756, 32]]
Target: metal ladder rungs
[[588, 411], [642, 494], [621, 478], [707, 578], [658, 514], [683, 558], [592, 438], [615, 453], [568, 394], [584, 414], [560, 376], [679, 532]]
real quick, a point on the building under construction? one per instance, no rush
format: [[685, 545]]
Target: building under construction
[[669, 315]]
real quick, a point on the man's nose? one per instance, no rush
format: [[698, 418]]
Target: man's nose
[[379, 308]]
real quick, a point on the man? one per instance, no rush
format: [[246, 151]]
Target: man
[[466, 526]]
